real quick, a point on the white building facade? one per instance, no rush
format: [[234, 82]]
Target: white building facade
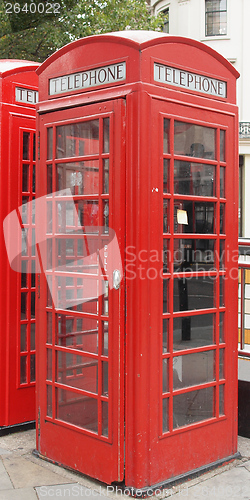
[[223, 25]]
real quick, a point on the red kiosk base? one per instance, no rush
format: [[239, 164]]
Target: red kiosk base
[[137, 314]]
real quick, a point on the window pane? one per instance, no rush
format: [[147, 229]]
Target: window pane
[[77, 409], [193, 369], [77, 371], [32, 367], [23, 346], [194, 293], [194, 178], [193, 255], [165, 414], [165, 326], [165, 296], [222, 145], [193, 331], [106, 176], [221, 399], [49, 400], [166, 175], [80, 177], [25, 183], [222, 182], [49, 143], [77, 139], [194, 140], [194, 217], [26, 145], [165, 256], [82, 216], [193, 406], [106, 135], [166, 136], [77, 332], [165, 387], [105, 418], [23, 370], [165, 216]]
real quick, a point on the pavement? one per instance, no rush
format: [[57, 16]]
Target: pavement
[[24, 476]]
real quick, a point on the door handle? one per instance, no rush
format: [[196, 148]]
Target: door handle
[[116, 279]]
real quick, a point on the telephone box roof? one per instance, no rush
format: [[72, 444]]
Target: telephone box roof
[[11, 66], [140, 40]]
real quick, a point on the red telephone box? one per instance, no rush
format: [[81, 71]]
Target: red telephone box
[[137, 361], [19, 90]]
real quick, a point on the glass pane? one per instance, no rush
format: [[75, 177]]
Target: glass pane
[[222, 182], [77, 332], [165, 378], [222, 145], [49, 179], [165, 296], [25, 180], [32, 336], [25, 234], [49, 400], [193, 406], [81, 216], [193, 369], [105, 222], [73, 292], [75, 255], [49, 288], [165, 414], [77, 409], [222, 254], [105, 338], [106, 176], [23, 346], [194, 178], [105, 298], [25, 209], [165, 326], [32, 367], [106, 135], [194, 217], [221, 327], [33, 274], [77, 139], [165, 216], [26, 145], [34, 179], [49, 217], [77, 371], [34, 147], [24, 274], [166, 136], [105, 418], [193, 331], [49, 364], [49, 328], [221, 400], [23, 370], [194, 140], [105, 378], [24, 305], [33, 305], [221, 370], [222, 284], [165, 256], [166, 164], [80, 177], [193, 255], [49, 143], [194, 293], [222, 218]]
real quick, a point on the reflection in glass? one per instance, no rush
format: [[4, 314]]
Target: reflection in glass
[[222, 254], [49, 179], [165, 176], [49, 143], [165, 256], [222, 145], [106, 216], [222, 218], [193, 331], [26, 145], [194, 293], [105, 378], [106, 176], [193, 406], [165, 296], [23, 346], [23, 370], [105, 338], [105, 418], [77, 409], [165, 326], [194, 178], [165, 414], [165, 387], [24, 305], [78, 333], [221, 327], [194, 140], [71, 292], [24, 274], [166, 135], [80, 177], [165, 216], [193, 369], [194, 217], [105, 298], [82, 216], [221, 400], [77, 139], [77, 371], [193, 254], [221, 363], [222, 182], [106, 135], [222, 284], [25, 178], [49, 328]]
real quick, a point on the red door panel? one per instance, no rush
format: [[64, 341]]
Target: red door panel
[[81, 313]]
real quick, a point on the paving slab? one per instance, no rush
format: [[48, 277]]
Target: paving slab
[[24, 473], [20, 494], [5, 482], [19, 442]]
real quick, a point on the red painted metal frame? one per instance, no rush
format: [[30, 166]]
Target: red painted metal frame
[[151, 457], [17, 404]]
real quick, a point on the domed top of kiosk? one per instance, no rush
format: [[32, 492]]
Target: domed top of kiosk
[[137, 52], [11, 66]]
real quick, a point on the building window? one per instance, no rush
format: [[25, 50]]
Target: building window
[[216, 17], [165, 14]]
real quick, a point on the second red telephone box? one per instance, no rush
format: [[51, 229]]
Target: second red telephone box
[[19, 94], [137, 315]]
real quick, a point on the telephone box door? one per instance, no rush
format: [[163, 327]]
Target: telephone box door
[[80, 296]]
